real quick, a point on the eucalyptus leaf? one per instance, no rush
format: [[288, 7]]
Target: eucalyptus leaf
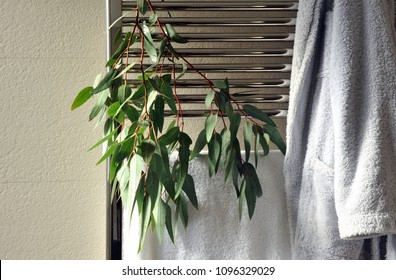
[[106, 82], [117, 37], [242, 198], [152, 19], [159, 215], [183, 211], [142, 6], [148, 148], [209, 98], [173, 35], [145, 221], [126, 69], [113, 109], [170, 136], [99, 104], [136, 167], [247, 136], [250, 195], [168, 222], [123, 92], [108, 153], [82, 97], [183, 72], [258, 114], [149, 43], [200, 143], [104, 139], [189, 190], [210, 125], [167, 91], [275, 137]]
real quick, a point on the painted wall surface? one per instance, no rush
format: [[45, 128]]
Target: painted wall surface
[[52, 194]]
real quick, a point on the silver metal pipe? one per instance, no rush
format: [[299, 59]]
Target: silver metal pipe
[[219, 6], [222, 52], [225, 68], [234, 83], [234, 37], [241, 98], [204, 113], [221, 21]]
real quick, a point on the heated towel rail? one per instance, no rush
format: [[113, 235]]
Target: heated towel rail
[[250, 42]]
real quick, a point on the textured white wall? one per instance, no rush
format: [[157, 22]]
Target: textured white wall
[[52, 194]]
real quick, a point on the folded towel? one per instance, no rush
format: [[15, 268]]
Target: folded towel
[[341, 134], [214, 231]]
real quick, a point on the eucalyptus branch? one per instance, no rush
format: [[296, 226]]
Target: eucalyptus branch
[[138, 146]]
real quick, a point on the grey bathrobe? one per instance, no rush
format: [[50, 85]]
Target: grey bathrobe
[[340, 166]]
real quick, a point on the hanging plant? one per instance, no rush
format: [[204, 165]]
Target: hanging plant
[[138, 147]]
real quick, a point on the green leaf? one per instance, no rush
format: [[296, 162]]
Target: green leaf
[[158, 113], [209, 98], [142, 6], [100, 102], [131, 113], [166, 89], [166, 177], [256, 145], [113, 109], [126, 69], [200, 143], [210, 124], [242, 198], [136, 166], [117, 37], [235, 121], [250, 195], [161, 48], [140, 194], [106, 82], [183, 72], [189, 190], [149, 43], [252, 178], [148, 148], [183, 211], [82, 97], [214, 147], [247, 136], [258, 114], [263, 143], [159, 215], [173, 35], [221, 84], [152, 185], [168, 222], [124, 150], [123, 92], [151, 99], [104, 139], [152, 19], [275, 137], [145, 221], [172, 50], [170, 136], [108, 153]]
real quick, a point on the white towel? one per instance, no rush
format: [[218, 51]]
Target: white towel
[[340, 166], [214, 231]]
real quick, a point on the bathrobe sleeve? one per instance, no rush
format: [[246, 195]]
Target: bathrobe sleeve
[[363, 102]]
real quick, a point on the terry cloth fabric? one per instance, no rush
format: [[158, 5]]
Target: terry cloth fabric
[[340, 166], [214, 231]]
